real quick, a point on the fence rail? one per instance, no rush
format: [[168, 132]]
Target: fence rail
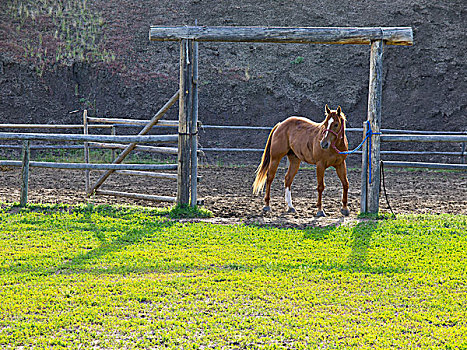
[[89, 138], [132, 122], [52, 126], [394, 164], [91, 166], [423, 138], [395, 135]]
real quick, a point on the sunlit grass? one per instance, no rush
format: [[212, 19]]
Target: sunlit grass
[[127, 277]]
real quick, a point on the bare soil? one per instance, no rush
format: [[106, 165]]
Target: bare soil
[[226, 191]]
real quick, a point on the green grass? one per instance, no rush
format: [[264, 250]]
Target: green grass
[[106, 277]]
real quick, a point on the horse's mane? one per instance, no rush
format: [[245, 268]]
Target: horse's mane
[[343, 116]]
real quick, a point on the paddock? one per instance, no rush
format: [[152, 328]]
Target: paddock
[[188, 127]]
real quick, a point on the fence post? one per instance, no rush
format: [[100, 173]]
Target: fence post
[[25, 173], [364, 180], [113, 132], [463, 153], [184, 117], [194, 129], [374, 116], [86, 150]]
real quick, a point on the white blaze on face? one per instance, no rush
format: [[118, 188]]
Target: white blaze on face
[[331, 120], [288, 197]]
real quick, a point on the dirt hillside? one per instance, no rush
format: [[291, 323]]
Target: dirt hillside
[[61, 56]]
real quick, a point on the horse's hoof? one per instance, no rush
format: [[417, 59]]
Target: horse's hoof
[[291, 210], [320, 214], [345, 212], [266, 208]]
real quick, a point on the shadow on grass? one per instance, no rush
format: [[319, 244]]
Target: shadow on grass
[[80, 263], [91, 261], [357, 261], [361, 237]]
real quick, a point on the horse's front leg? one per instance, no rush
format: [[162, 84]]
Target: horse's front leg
[[320, 177], [341, 171]]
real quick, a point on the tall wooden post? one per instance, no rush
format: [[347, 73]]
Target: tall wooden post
[[463, 153], [113, 132], [86, 150], [194, 129], [364, 180], [374, 116], [184, 118], [25, 173]]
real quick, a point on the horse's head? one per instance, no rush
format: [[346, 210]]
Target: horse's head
[[333, 127]]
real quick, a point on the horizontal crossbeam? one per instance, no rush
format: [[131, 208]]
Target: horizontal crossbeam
[[303, 35]]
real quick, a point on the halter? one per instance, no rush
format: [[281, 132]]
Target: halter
[[333, 144]]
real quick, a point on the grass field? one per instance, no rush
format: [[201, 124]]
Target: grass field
[[105, 277]]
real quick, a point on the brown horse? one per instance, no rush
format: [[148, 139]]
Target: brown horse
[[300, 139]]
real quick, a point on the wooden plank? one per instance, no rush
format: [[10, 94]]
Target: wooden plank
[[113, 133], [83, 166], [164, 150], [49, 126], [218, 149], [423, 132], [131, 146], [148, 174], [88, 138], [394, 164], [463, 153], [304, 35], [44, 146], [185, 103], [133, 122], [194, 128], [136, 196], [236, 127], [364, 174], [423, 138], [87, 173], [25, 173], [374, 116]]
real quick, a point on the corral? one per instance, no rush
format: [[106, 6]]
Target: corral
[[187, 167]]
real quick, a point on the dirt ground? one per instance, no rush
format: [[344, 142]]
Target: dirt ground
[[226, 191]]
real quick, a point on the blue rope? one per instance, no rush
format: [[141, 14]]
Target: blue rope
[[369, 133]]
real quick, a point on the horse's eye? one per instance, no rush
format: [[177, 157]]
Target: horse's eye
[[335, 125]]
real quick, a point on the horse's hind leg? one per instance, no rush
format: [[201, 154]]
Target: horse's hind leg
[[341, 171], [294, 165], [273, 165]]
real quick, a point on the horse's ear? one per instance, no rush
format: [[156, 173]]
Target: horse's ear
[[339, 110], [326, 110]]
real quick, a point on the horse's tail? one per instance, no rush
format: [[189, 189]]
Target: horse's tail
[[262, 171]]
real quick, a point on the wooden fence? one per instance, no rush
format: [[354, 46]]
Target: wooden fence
[[461, 153], [126, 169]]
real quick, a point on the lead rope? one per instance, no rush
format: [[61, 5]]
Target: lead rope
[[369, 133], [384, 188]]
